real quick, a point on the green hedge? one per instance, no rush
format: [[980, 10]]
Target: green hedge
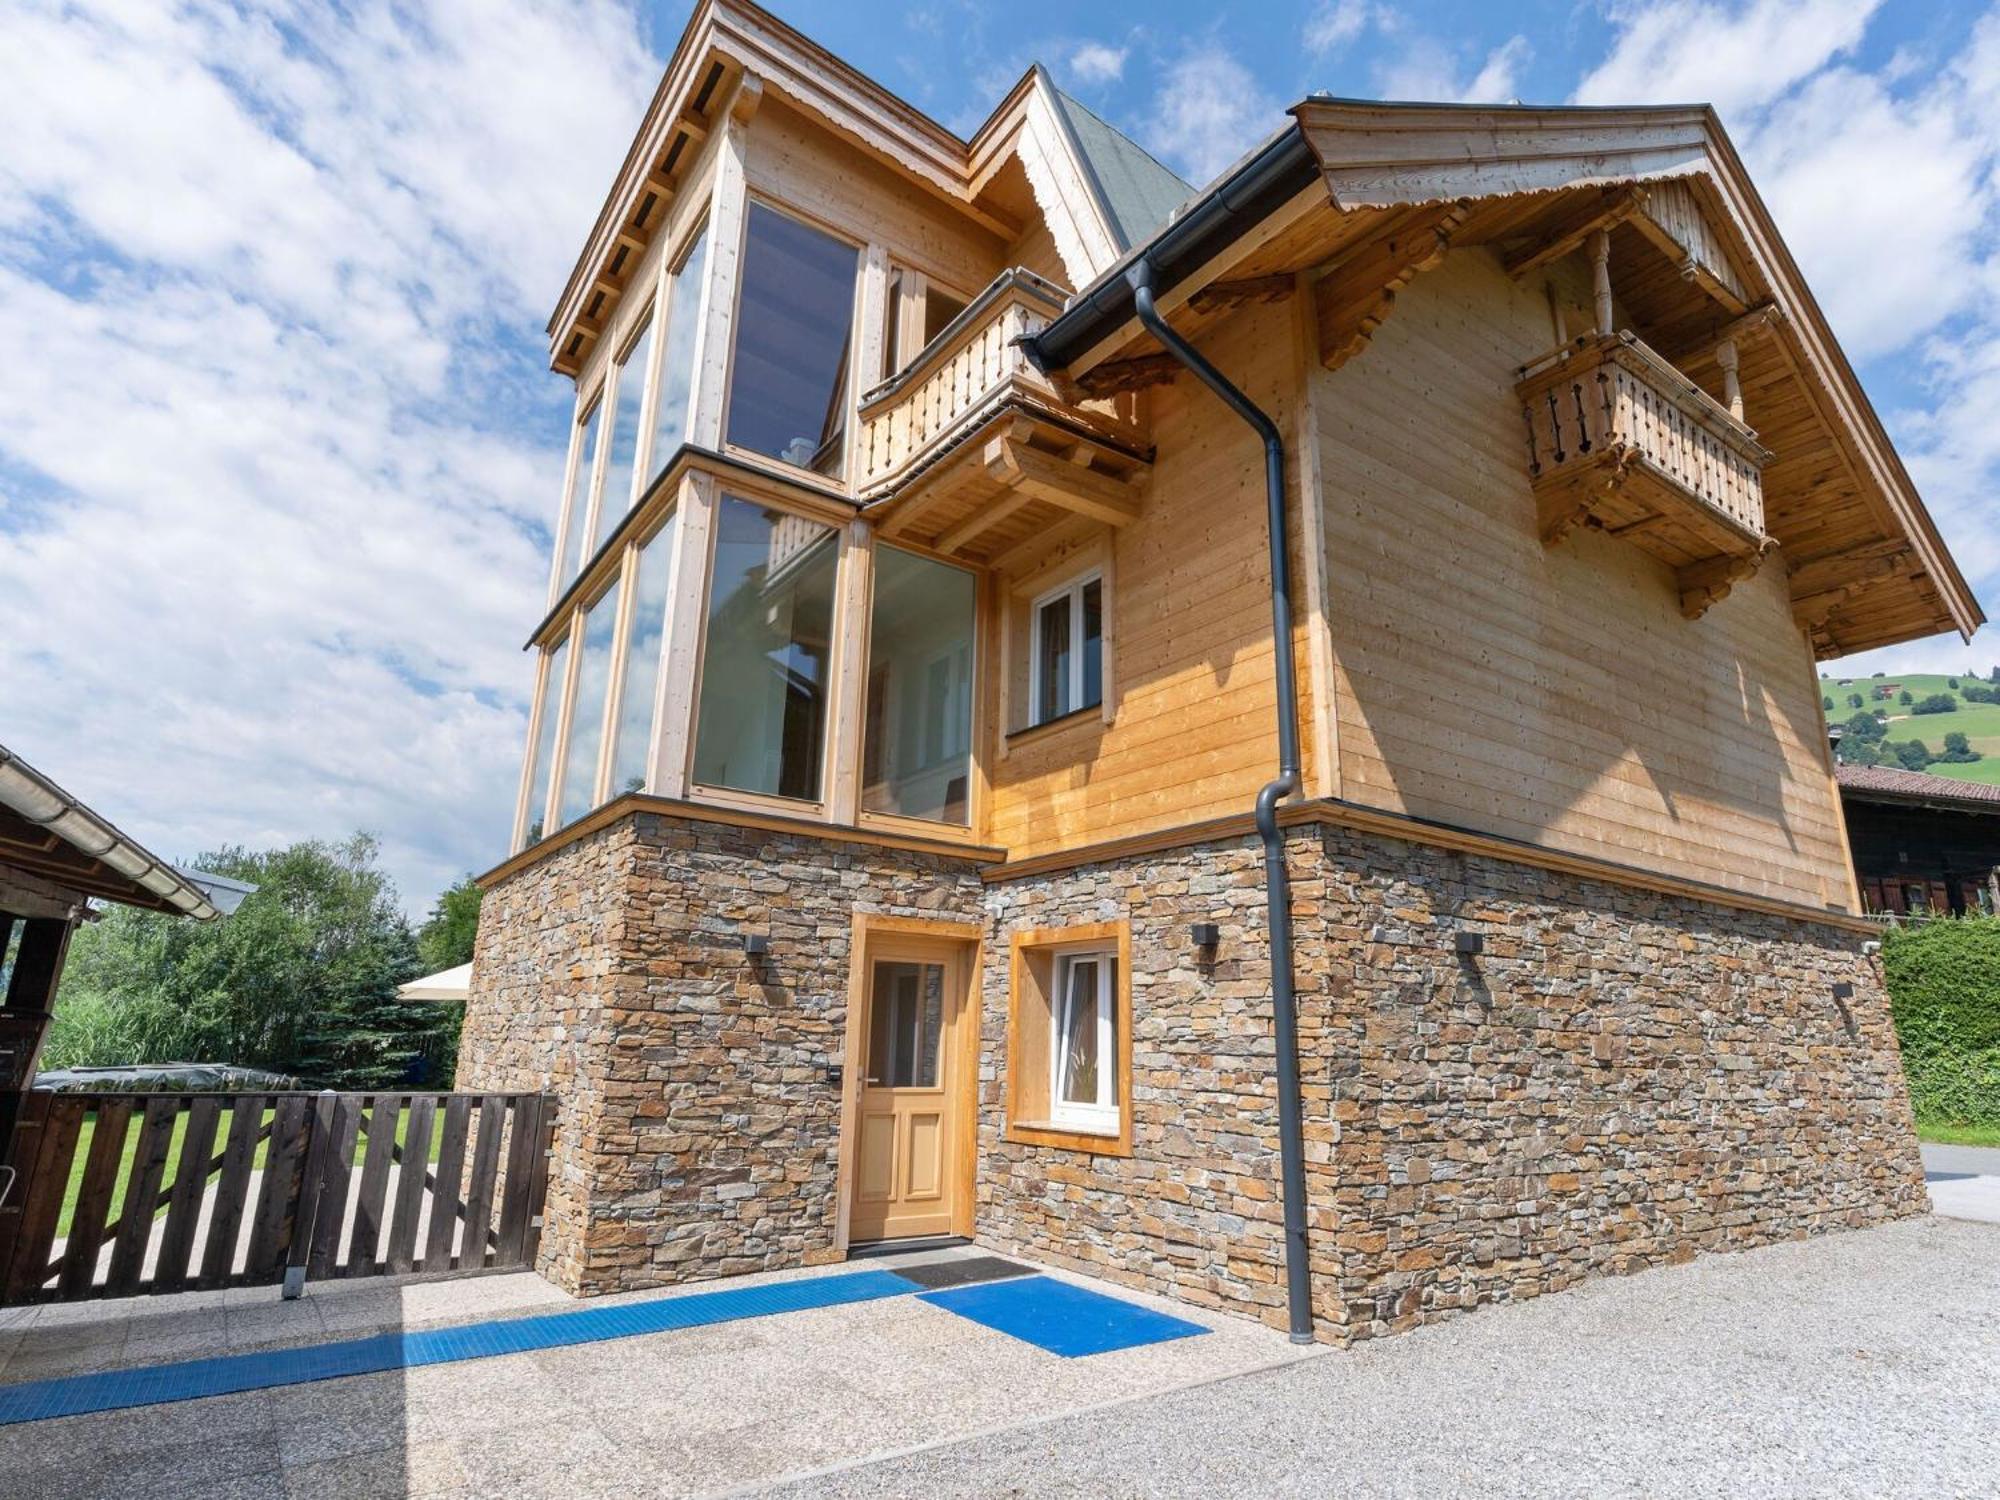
[[1944, 989]]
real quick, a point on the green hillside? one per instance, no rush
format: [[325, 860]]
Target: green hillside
[[1978, 722]]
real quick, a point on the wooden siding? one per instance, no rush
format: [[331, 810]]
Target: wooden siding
[[1553, 695], [1189, 611]]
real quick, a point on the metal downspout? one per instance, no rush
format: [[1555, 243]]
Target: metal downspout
[[1277, 885]]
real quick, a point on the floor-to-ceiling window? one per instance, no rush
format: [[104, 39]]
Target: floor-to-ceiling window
[[788, 381], [761, 718], [917, 741]]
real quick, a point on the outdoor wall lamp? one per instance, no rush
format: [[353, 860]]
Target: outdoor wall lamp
[[1842, 993], [756, 944], [1469, 944], [1205, 934]]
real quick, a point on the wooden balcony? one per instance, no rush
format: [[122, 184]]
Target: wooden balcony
[[1620, 440], [972, 450]]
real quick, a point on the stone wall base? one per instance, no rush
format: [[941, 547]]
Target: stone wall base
[[1619, 1080]]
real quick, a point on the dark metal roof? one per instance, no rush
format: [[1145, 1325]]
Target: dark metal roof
[[1137, 191]]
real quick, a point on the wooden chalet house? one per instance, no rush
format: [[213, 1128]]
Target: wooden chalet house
[[924, 829]]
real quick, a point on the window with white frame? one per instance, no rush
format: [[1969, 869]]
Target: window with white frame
[[1066, 649], [1083, 1091]]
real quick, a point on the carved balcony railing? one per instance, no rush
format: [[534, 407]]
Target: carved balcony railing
[[963, 378], [1620, 440]]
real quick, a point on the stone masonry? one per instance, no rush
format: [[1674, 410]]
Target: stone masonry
[[699, 1128], [1619, 1080]]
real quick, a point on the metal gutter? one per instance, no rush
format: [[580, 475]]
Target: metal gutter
[[41, 802], [1270, 176]]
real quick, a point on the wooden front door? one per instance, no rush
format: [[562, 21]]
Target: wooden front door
[[908, 1120]]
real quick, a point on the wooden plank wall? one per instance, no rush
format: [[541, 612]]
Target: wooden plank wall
[[1192, 735], [1553, 695]]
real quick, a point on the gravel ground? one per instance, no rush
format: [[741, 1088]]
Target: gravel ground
[[1863, 1363]]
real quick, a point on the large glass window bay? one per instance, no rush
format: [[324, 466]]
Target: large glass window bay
[[788, 382], [760, 724], [917, 748]]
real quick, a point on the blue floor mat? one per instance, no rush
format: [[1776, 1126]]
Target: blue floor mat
[[109, 1390], [1063, 1319]]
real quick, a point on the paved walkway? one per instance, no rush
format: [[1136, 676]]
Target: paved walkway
[[1853, 1364], [1856, 1364], [1964, 1181]]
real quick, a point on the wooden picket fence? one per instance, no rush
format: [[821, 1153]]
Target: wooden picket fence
[[177, 1192]]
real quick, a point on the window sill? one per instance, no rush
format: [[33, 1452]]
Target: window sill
[[1070, 1137], [1019, 737]]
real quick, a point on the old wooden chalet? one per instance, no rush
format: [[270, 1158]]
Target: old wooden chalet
[[1258, 739]]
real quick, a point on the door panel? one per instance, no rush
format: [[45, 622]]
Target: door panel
[[908, 1105]]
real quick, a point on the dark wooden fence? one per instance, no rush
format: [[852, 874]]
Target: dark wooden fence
[[120, 1194]]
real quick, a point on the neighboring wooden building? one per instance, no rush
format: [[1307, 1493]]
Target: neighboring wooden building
[[885, 861], [1922, 843], [56, 857]]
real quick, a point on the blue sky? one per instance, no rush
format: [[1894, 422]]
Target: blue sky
[[278, 445]]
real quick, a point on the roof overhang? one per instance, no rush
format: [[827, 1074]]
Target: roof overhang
[[52, 839], [1879, 576], [731, 47]]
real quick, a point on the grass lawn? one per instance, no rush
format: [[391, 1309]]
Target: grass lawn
[[74, 1189], [1978, 722], [1958, 1135]]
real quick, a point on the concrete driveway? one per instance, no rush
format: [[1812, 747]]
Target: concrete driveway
[[1964, 1181], [1857, 1363]]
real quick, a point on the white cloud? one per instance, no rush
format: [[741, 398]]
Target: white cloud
[[1094, 62], [1734, 56], [272, 508], [1209, 110], [1335, 23], [1429, 71]]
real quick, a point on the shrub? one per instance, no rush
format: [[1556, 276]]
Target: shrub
[[1944, 991], [1854, 700], [1951, 682], [1958, 750], [1973, 693], [1904, 698], [1863, 727], [1937, 703], [1914, 754], [1863, 753], [1826, 703]]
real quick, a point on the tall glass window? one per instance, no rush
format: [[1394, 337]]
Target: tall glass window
[[631, 736], [761, 721], [615, 499], [586, 720], [683, 318], [788, 382], [916, 758], [542, 752], [573, 545]]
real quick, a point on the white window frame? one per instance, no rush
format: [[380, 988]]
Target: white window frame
[[1101, 1117], [1073, 588]]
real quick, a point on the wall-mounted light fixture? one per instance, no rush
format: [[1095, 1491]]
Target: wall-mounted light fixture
[[1842, 993], [1469, 943], [1205, 934], [756, 944]]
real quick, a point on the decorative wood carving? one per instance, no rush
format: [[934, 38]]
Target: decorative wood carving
[[1707, 583], [1124, 375], [1222, 295], [1355, 297]]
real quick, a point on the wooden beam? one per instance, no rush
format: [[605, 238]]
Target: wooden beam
[[1842, 570], [1227, 294], [1119, 376], [1570, 232], [983, 520], [1069, 486], [1708, 582], [1354, 298], [1762, 318]]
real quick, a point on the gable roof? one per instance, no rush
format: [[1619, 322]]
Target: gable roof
[[1893, 784], [1136, 192]]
